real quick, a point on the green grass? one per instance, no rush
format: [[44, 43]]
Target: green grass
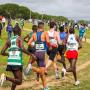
[[83, 75]]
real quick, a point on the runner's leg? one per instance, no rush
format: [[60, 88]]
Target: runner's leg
[[17, 80]]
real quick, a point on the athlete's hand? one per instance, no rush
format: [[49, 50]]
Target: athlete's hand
[[50, 48], [34, 57]]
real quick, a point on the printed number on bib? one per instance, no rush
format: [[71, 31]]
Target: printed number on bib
[[72, 44], [40, 46], [14, 54]]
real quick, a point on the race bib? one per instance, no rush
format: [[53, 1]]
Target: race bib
[[14, 54], [72, 45], [40, 46], [53, 41]]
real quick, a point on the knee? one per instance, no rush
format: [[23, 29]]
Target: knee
[[42, 72]]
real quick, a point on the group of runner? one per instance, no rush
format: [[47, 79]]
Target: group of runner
[[40, 42]]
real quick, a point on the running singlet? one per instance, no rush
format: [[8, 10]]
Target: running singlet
[[40, 45], [30, 35], [15, 53], [72, 44], [81, 32], [53, 41], [62, 35]]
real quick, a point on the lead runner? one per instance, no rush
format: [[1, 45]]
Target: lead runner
[[73, 44]]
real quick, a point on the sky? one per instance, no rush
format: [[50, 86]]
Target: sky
[[73, 9]]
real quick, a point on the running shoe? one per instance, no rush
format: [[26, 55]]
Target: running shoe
[[24, 76], [2, 79], [46, 88], [57, 77], [57, 74], [27, 70], [63, 73], [77, 83]]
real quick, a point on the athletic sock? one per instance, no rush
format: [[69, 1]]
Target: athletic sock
[[57, 73], [29, 66]]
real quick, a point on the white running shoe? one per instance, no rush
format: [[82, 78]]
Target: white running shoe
[[46, 88], [27, 70], [57, 77], [77, 83], [63, 72], [24, 76], [2, 79]]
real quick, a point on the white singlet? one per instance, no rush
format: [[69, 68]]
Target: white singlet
[[72, 43], [52, 39]]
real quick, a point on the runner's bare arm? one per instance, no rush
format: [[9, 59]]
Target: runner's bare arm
[[58, 38], [21, 45], [65, 40], [47, 37], [25, 50], [26, 38], [31, 39], [3, 51]]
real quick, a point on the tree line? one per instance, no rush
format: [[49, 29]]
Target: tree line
[[16, 11]]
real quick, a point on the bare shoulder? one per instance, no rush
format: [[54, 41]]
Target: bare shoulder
[[8, 42], [20, 38]]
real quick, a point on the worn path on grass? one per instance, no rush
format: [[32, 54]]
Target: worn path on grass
[[32, 84]]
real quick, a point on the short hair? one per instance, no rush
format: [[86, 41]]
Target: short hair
[[71, 31], [61, 28], [17, 30], [52, 24], [34, 28], [40, 24]]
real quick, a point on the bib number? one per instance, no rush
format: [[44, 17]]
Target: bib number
[[14, 54], [72, 45], [40, 46]]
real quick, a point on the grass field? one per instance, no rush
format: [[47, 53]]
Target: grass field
[[83, 66]]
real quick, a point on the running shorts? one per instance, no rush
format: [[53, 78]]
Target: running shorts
[[71, 54], [14, 68], [52, 53], [61, 49], [40, 58]]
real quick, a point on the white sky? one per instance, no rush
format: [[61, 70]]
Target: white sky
[[74, 9]]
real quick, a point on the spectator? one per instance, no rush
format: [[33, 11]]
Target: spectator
[[21, 23], [3, 21], [0, 28], [9, 29]]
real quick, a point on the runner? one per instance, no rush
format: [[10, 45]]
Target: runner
[[86, 28], [15, 61], [52, 51], [40, 39], [81, 32], [21, 23], [73, 43], [9, 30], [62, 46], [3, 21], [31, 47], [0, 29]]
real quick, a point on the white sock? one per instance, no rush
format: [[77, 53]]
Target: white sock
[[56, 72], [29, 66]]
